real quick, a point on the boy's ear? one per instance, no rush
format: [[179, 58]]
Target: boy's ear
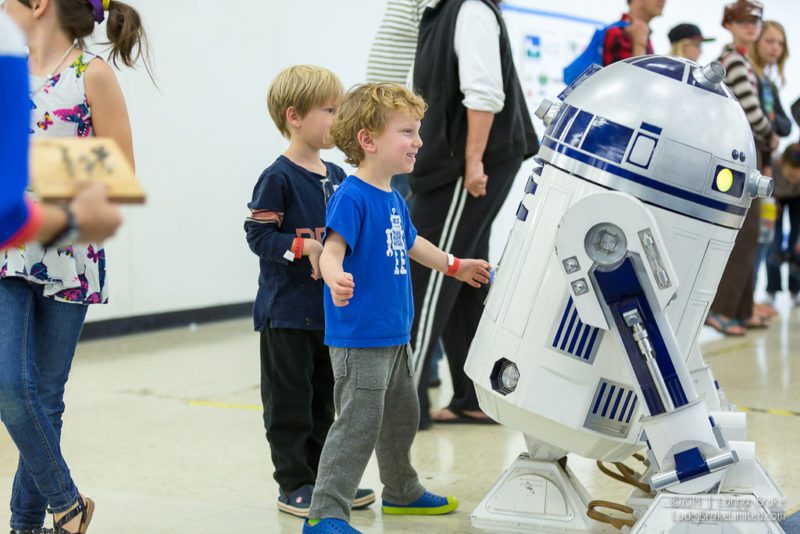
[[366, 141], [292, 116]]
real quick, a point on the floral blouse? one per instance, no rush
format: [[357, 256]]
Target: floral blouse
[[76, 273]]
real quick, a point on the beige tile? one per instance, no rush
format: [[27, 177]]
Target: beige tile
[[164, 430]]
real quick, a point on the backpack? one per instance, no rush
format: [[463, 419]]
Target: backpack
[[592, 55]]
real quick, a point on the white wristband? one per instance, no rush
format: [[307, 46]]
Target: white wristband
[[450, 260]]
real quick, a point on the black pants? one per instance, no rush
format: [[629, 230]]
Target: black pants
[[458, 223], [297, 396], [775, 253]]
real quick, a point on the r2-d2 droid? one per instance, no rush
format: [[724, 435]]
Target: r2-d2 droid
[[588, 340]]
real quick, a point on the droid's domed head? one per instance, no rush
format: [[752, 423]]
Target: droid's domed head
[[662, 129]]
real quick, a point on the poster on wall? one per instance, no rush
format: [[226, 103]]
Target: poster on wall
[[544, 42]]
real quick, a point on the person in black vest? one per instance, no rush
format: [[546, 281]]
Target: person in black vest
[[476, 134]]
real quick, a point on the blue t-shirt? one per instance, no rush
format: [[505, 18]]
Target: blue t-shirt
[[288, 201], [378, 231]]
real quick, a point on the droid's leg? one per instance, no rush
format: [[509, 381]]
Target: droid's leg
[[537, 493], [683, 441], [622, 279], [621, 264], [707, 387]]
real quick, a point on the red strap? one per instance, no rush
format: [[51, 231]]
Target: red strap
[[454, 268], [29, 230], [297, 247]]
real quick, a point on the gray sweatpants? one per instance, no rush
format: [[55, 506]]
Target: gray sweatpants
[[377, 407]]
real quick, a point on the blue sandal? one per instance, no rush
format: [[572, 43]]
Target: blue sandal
[[329, 526], [723, 326], [428, 504]]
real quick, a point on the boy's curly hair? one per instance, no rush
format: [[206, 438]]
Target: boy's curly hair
[[370, 107], [304, 87]]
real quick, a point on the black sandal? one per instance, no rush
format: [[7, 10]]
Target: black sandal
[[85, 508]]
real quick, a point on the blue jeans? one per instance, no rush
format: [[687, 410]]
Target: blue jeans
[[38, 337]]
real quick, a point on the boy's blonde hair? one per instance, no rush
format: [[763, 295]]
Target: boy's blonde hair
[[370, 107], [304, 87]]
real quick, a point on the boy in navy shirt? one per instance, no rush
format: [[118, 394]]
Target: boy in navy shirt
[[369, 308], [285, 227]]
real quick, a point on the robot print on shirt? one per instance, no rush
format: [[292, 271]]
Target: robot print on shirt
[[396, 243], [329, 187]]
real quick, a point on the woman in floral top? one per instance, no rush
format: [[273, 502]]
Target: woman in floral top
[[45, 290]]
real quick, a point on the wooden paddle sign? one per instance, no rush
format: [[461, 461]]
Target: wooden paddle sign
[[59, 166]]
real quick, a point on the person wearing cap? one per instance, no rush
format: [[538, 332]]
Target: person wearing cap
[[743, 19], [633, 39], [732, 311], [687, 40]]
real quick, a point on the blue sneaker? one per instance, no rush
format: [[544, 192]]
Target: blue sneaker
[[364, 497], [329, 526], [428, 504], [298, 502]]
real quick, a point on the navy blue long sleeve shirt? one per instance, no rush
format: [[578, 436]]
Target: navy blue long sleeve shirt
[[288, 202]]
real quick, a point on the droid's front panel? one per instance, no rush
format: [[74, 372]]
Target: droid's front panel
[[571, 388]]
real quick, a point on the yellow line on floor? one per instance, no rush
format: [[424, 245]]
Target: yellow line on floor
[[226, 405], [729, 347], [785, 413]]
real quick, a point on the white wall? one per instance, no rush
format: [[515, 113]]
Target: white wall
[[203, 137]]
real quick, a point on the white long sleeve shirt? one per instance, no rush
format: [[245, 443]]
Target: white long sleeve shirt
[[477, 46]]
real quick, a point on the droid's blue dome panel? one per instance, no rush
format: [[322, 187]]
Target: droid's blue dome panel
[[664, 66], [676, 69], [607, 139]]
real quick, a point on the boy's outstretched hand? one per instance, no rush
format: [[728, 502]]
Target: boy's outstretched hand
[[474, 272], [342, 289]]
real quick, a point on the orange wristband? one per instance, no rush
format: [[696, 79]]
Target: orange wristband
[[453, 269], [297, 247]]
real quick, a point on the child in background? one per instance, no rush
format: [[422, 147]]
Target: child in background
[[786, 174], [369, 310], [285, 230]]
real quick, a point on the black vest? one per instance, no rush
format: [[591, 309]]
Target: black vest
[[444, 128]]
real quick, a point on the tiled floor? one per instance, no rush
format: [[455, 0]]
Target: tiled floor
[[164, 431]]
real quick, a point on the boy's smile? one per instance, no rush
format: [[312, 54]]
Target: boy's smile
[[399, 143]]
